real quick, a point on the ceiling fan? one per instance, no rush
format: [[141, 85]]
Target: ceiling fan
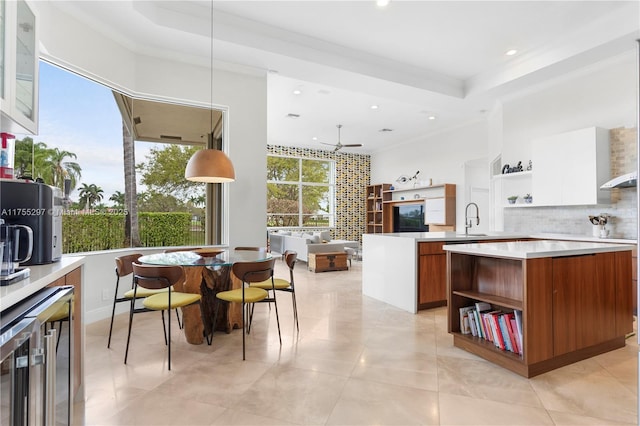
[[339, 145]]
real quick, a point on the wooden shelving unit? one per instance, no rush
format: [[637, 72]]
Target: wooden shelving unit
[[376, 195], [439, 201], [573, 307]]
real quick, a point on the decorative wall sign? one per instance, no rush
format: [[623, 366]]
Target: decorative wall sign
[[515, 169]]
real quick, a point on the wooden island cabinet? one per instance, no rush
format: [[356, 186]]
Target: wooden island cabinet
[[574, 298], [432, 275]]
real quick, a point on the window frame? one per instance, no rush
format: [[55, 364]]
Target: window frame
[[300, 183]]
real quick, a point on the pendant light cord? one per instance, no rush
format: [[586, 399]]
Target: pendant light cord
[[210, 143]]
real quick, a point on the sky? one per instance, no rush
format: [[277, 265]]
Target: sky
[[81, 116]]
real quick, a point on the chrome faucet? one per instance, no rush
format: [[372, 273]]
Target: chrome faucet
[[467, 220]]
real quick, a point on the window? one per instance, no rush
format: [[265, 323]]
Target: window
[[123, 158], [300, 192]]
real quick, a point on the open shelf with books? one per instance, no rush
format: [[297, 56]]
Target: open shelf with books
[[376, 195]]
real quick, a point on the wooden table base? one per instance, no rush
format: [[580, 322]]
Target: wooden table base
[[208, 282]]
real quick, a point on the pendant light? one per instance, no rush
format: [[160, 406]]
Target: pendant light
[[210, 165]]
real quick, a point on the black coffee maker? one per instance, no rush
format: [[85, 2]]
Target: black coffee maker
[[11, 250], [38, 206]]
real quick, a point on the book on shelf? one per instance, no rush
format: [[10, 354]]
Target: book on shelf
[[464, 319], [479, 325], [472, 324], [518, 316], [483, 306], [487, 326], [492, 320], [509, 323], [502, 322]]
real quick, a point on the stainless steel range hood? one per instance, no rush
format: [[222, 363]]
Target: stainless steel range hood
[[625, 181]]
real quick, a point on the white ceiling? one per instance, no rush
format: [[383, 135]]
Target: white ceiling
[[413, 59]]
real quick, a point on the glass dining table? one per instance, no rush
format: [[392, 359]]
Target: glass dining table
[[207, 272]]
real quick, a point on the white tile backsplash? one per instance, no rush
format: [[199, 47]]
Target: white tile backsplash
[[575, 219]]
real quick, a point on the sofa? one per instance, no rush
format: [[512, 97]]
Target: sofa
[[304, 243]]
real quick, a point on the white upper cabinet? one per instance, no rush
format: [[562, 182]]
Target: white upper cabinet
[[18, 68], [569, 168], [434, 211]]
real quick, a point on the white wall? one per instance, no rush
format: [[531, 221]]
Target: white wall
[[440, 157], [70, 43], [601, 96]]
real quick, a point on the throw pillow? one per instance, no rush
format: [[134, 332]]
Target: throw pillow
[[315, 239]]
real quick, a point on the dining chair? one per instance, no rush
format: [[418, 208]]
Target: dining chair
[[124, 267], [250, 248], [153, 277], [248, 272], [281, 284], [60, 316]]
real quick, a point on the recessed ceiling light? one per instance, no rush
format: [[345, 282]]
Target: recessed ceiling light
[[314, 138], [297, 92], [432, 117], [511, 52], [291, 115], [382, 3], [374, 106]]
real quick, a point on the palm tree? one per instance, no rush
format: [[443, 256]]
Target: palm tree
[[90, 194], [131, 230], [117, 198], [61, 169], [32, 159]]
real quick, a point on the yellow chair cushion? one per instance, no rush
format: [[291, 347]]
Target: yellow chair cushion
[[144, 292], [62, 313], [251, 295], [279, 284], [160, 301]]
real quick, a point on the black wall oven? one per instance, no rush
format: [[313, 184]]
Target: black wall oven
[[35, 366]]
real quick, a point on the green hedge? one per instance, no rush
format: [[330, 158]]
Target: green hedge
[[91, 232]]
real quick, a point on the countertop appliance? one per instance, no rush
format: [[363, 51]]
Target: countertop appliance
[[36, 370], [12, 253], [628, 180], [39, 207]]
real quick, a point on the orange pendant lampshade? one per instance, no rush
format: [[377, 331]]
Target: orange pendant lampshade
[[210, 166]]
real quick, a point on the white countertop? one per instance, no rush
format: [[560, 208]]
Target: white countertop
[[449, 236], [535, 249], [488, 236], [40, 276], [575, 237]]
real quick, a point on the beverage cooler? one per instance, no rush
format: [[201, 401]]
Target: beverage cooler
[[35, 363]]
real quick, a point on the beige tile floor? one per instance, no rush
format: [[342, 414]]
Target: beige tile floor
[[355, 361]]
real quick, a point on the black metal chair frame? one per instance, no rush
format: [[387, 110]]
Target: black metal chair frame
[[117, 300], [247, 314], [291, 289], [167, 339]]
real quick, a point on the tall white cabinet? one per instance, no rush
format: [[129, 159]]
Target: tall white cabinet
[[18, 68], [569, 168]]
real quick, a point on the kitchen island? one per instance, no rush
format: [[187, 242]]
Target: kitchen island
[[408, 269], [574, 299]]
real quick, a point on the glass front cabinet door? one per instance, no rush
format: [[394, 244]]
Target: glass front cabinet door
[[3, 52], [19, 67]]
